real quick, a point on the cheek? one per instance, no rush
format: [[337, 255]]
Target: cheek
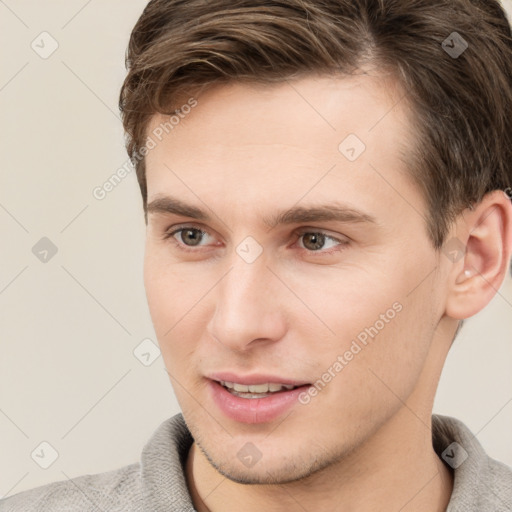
[[378, 329], [168, 289], [344, 301], [176, 308]]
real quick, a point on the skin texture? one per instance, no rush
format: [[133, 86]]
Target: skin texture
[[364, 442]]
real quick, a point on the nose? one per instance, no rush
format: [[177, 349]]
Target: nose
[[249, 306]]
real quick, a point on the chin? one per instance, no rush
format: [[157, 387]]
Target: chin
[[275, 469]]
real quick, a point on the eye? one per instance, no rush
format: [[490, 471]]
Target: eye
[[186, 234], [314, 241]]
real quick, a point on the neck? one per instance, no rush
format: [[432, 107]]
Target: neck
[[388, 473]]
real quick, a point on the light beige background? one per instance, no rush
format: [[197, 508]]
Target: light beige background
[[68, 374]]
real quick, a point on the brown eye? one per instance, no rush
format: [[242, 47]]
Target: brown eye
[[186, 236], [313, 241], [190, 236]]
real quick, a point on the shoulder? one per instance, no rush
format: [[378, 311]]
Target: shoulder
[[489, 488], [117, 490], [157, 481], [481, 482], [497, 480]]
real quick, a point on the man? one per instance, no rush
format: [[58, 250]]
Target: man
[[326, 188]]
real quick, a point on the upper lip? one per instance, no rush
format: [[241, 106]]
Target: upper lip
[[255, 378]]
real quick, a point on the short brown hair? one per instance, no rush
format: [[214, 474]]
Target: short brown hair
[[462, 105]]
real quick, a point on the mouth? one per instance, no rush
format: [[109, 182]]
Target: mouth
[[255, 390], [254, 399]]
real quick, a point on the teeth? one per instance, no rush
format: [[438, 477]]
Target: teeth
[[240, 388], [259, 388], [256, 388]]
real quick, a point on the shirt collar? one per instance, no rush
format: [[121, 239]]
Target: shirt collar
[[164, 456]]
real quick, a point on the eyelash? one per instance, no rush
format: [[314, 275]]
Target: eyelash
[[169, 235]]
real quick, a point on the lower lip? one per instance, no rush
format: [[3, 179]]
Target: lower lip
[[254, 410]]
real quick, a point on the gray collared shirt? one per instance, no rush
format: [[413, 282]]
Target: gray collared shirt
[[157, 483]]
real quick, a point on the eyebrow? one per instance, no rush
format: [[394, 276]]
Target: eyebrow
[[334, 211]]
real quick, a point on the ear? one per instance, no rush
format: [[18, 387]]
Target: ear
[[485, 231]]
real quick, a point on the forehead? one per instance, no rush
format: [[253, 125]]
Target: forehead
[[313, 136], [329, 104]]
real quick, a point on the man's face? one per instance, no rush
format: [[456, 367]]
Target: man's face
[[352, 303]]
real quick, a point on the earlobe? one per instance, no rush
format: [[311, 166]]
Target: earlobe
[[486, 233]]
